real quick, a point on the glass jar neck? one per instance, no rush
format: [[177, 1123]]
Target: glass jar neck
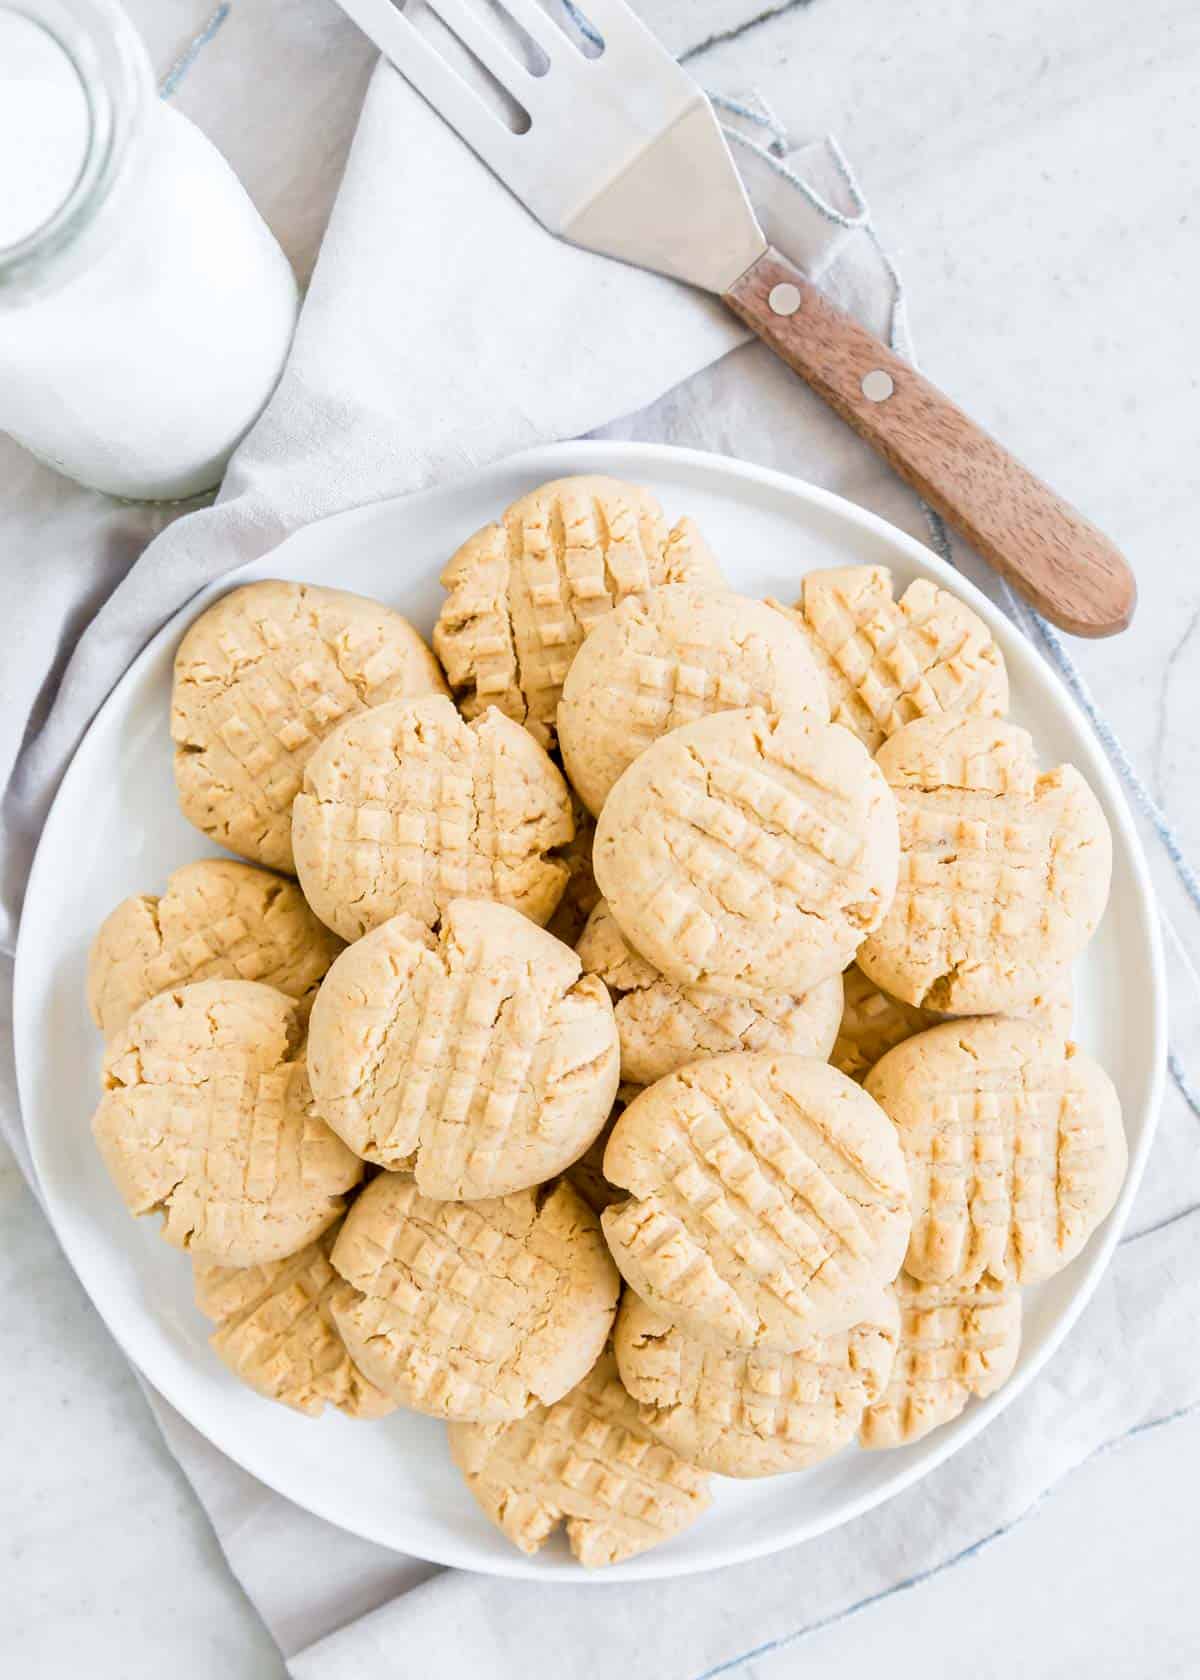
[[106, 54]]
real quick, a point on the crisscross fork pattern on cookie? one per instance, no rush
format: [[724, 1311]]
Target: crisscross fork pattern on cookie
[[408, 807], [954, 1342], [229, 942], [872, 1024], [453, 1298], [216, 1152], [217, 920], [743, 1207], [894, 661], [813, 1397], [657, 692], [286, 696], [417, 823], [461, 1074], [969, 877], [751, 840], [579, 554], [525, 592], [590, 1460], [1003, 1158], [220, 1160], [273, 1332]]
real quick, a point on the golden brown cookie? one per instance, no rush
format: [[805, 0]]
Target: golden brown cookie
[[208, 1118], [261, 678], [586, 1174], [663, 1027], [217, 920], [887, 662], [275, 1332], [476, 1311], [955, 1341], [753, 1413], [524, 592], [747, 855], [588, 1461], [581, 894], [480, 1061], [406, 807], [874, 1023], [1014, 1146], [768, 1201], [667, 658], [1004, 870]]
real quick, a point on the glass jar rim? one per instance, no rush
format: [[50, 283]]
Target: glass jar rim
[[107, 56]]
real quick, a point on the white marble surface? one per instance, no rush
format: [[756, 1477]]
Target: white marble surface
[[1032, 169]]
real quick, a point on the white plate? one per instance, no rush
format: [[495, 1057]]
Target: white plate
[[114, 830]]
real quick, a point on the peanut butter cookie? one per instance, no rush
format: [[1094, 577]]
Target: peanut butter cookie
[[667, 658], [743, 1412], [1004, 869], [663, 1027], [749, 855], [407, 807], [217, 920], [275, 1332], [956, 1340], [1014, 1147], [887, 662], [208, 1118], [524, 592], [261, 678], [588, 1461], [480, 1061], [476, 1311], [768, 1201]]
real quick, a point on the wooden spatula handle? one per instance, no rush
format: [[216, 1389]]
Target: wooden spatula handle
[[1047, 551]]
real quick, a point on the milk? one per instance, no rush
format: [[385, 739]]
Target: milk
[[138, 371], [43, 127]]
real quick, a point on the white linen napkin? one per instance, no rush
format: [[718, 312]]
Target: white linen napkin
[[443, 330]]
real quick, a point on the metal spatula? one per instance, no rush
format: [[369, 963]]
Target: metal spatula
[[621, 153]]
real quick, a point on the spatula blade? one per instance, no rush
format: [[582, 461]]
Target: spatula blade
[[622, 153], [678, 207]]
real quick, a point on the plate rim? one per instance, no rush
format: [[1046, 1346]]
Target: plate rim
[[628, 458]]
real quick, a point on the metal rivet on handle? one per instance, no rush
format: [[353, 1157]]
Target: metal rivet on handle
[[877, 386], [784, 299]]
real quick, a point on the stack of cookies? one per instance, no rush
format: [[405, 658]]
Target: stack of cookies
[[638, 1035]]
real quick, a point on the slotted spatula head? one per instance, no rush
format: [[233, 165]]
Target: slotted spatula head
[[622, 153]]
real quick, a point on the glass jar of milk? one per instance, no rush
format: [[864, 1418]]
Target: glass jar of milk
[[145, 307]]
